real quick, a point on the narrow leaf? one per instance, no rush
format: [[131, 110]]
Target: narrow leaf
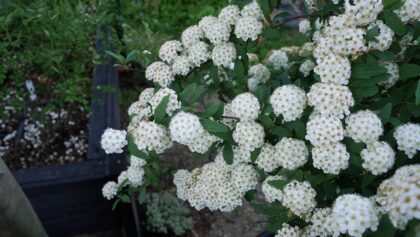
[[228, 154], [160, 110]]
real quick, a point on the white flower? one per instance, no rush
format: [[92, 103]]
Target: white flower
[[135, 176], [218, 33], [353, 215], [288, 231], [245, 106], [169, 50], [206, 23], [173, 103], [191, 35], [113, 140], [403, 198], [288, 101], [182, 181], [253, 58], [330, 99], [392, 70], [244, 177], [362, 12], [292, 153], [252, 10], [137, 161], [364, 126], [257, 73], [323, 47], [248, 28], [110, 190], [224, 54], [145, 96], [306, 49], [378, 157], [278, 59], [150, 136], [350, 41], [299, 198], [185, 128], [384, 38], [160, 73], [330, 158], [267, 159], [198, 53], [229, 15], [322, 130], [249, 135], [306, 67], [409, 11], [181, 66], [227, 112], [305, 26], [333, 68], [271, 193], [202, 143], [408, 138], [321, 223], [122, 177]]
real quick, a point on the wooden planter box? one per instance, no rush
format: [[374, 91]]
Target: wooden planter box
[[68, 198]]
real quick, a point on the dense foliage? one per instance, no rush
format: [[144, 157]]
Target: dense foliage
[[328, 126]]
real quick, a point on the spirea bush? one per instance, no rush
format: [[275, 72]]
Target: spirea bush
[[330, 128]]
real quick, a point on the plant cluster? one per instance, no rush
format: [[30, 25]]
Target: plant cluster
[[328, 126]]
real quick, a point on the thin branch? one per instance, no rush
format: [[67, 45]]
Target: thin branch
[[295, 8], [294, 18], [228, 117]]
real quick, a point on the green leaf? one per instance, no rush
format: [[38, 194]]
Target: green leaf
[[266, 121], [133, 149], [218, 129], [298, 127], [239, 69], [385, 113], [160, 110], [187, 91], [214, 109], [418, 93], [367, 179], [142, 196], [265, 8], [385, 228], [409, 71], [393, 22], [280, 131], [384, 55], [280, 15], [367, 70], [254, 154], [372, 33], [250, 195], [228, 154], [131, 56], [214, 75], [265, 209], [196, 94], [278, 184], [392, 4], [125, 198], [363, 92], [115, 204]]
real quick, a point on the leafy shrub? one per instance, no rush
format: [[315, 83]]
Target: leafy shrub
[[328, 126]]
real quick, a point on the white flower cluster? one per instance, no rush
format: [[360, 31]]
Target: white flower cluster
[[299, 198], [267, 159], [305, 26], [110, 190], [229, 15], [353, 215], [333, 68], [249, 135], [378, 157], [150, 136], [408, 138], [364, 126], [409, 11], [160, 73], [403, 199], [288, 231], [288, 101], [199, 53], [257, 74], [278, 59], [185, 128], [271, 193], [384, 38], [291, 153], [322, 130], [331, 158], [245, 107], [362, 12], [248, 28], [330, 99], [215, 186], [169, 51], [320, 223], [173, 103], [113, 140], [224, 55], [307, 67]]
